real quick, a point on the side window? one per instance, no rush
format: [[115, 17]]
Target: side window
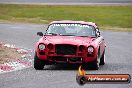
[[97, 32], [97, 29]]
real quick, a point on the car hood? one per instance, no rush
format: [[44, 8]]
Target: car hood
[[74, 40]]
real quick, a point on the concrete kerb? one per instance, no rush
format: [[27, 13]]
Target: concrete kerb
[[24, 62]]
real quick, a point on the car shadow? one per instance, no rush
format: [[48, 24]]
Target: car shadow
[[116, 67], [63, 67], [112, 67]]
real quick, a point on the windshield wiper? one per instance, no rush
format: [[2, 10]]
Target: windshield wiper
[[53, 34], [68, 35], [87, 36]]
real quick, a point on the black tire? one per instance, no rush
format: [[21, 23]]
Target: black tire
[[38, 64], [95, 64], [102, 59]]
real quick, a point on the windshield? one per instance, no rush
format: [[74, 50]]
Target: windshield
[[71, 30]]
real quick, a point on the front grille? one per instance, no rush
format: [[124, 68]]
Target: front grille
[[65, 49]]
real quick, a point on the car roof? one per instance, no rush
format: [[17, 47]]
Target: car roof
[[71, 21]]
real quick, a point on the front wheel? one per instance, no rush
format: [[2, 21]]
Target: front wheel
[[102, 59], [95, 64], [38, 64]]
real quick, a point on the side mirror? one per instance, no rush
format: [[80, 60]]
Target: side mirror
[[40, 33]]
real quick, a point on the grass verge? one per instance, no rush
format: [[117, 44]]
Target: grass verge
[[116, 17]]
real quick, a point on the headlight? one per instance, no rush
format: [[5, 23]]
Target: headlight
[[41, 46], [90, 49]]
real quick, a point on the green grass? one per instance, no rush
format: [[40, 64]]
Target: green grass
[[104, 16]]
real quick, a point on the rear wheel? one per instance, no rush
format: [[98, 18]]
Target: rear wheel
[[38, 64]]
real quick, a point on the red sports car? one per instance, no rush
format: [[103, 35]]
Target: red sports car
[[73, 42]]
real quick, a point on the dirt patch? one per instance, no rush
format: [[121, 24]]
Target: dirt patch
[[8, 54]]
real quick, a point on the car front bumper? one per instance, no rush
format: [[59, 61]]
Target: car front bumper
[[72, 59]]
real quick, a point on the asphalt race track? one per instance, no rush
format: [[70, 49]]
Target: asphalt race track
[[66, 1], [118, 60]]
